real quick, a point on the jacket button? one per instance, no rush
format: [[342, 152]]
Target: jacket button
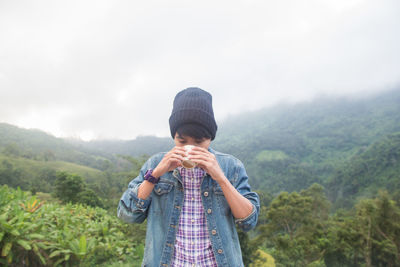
[[206, 194], [209, 211], [214, 232], [220, 251]]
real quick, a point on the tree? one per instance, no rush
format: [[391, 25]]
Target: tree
[[288, 212], [365, 221], [72, 188], [68, 186], [89, 197], [386, 248], [344, 241], [320, 205]]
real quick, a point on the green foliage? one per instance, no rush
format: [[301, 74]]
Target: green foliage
[[70, 235], [298, 231]]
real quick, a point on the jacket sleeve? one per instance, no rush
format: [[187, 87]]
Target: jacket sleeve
[[131, 208], [243, 187]]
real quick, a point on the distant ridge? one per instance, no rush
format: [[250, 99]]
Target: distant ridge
[[36, 144]]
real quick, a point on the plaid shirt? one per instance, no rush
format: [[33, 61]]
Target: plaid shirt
[[192, 244]]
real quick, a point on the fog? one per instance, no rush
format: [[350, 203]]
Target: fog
[[110, 69]]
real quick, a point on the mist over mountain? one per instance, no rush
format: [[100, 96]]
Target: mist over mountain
[[309, 139], [142, 145], [284, 148]]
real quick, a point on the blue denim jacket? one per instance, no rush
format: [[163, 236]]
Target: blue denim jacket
[[163, 207]]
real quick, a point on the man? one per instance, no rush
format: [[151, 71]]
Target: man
[[191, 213]]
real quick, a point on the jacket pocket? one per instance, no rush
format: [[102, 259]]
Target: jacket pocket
[[162, 188], [161, 196]]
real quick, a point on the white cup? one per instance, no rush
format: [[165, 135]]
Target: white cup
[[187, 163]]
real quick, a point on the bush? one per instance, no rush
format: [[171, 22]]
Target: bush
[[34, 233]]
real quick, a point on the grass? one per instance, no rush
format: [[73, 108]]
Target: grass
[[36, 166]]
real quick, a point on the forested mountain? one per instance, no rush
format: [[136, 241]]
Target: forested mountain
[[289, 147]]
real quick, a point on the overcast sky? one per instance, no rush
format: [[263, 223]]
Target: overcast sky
[[110, 69]]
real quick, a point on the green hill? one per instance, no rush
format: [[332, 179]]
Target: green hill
[[38, 145]]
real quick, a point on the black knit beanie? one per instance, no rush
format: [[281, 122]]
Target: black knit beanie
[[193, 106]]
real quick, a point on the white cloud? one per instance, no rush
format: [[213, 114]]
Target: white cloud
[[112, 68]]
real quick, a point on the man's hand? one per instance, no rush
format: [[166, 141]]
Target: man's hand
[[170, 161], [207, 161]]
